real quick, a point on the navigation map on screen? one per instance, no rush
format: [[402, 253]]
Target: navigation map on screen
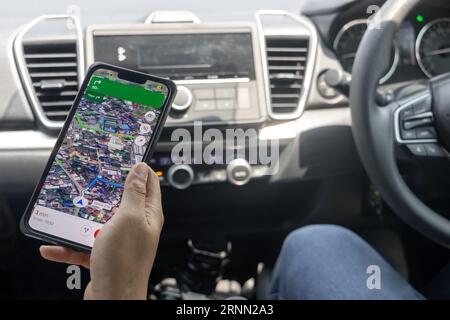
[[109, 133]]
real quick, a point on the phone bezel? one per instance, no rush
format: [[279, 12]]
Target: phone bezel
[[25, 228]]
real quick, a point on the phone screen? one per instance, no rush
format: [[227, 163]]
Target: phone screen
[[110, 131]]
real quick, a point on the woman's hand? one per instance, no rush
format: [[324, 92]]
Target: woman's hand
[[124, 251]]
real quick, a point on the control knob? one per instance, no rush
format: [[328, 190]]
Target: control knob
[[239, 172], [180, 176], [183, 99]]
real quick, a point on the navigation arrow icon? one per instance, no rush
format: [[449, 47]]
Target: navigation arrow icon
[[80, 202]]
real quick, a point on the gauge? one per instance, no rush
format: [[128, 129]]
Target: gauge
[[433, 47], [347, 42]]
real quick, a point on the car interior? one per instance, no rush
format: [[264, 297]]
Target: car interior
[[359, 112]]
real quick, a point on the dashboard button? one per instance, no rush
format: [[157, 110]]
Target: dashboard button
[[204, 94], [417, 149], [202, 177], [219, 175], [205, 105], [226, 93], [243, 98], [225, 104]]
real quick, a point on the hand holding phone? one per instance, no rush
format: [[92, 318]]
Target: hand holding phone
[[114, 123], [124, 252]]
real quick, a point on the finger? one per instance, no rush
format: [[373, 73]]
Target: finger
[[153, 197], [64, 255], [135, 188]]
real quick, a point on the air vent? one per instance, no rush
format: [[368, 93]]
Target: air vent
[[53, 70], [286, 62]]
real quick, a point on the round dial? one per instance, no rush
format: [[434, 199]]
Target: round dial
[[347, 42], [433, 47]]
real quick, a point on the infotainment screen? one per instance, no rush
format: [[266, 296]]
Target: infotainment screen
[[180, 56]]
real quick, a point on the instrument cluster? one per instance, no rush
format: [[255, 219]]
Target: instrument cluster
[[421, 48]]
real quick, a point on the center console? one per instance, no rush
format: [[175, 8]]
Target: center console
[[218, 69]]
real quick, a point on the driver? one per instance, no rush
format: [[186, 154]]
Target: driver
[[316, 262]]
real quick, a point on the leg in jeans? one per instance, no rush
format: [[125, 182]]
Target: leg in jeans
[[330, 262]]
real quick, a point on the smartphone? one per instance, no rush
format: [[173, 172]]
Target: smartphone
[[114, 123]]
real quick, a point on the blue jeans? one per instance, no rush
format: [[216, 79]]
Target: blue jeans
[[330, 262]]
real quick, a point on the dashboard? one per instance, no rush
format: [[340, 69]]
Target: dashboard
[[250, 68], [244, 75]]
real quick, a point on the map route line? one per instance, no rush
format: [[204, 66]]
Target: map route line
[[100, 178], [84, 126], [92, 183], [116, 185]]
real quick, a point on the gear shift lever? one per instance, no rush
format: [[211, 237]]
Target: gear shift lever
[[205, 266]]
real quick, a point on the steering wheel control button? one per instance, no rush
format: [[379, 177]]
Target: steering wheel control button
[[425, 133], [419, 107], [183, 99], [406, 113], [239, 172], [180, 176], [412, 124], [417, 150], [409, 134], [433, 150], [422, 106]]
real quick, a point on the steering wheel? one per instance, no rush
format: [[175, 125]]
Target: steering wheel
[[378, 129]]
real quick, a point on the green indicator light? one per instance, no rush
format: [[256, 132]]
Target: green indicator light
[[419, 18]]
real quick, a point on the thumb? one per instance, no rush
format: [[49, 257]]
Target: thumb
[[153, 201], [135, 188]]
